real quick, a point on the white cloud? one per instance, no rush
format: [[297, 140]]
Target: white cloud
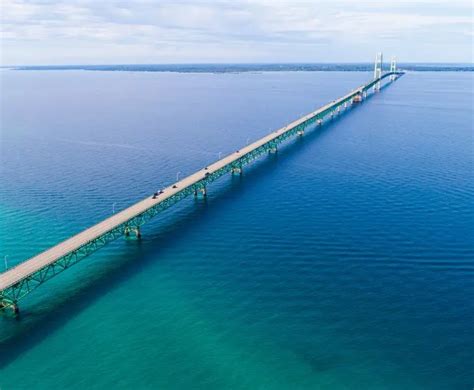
[[89, 31]]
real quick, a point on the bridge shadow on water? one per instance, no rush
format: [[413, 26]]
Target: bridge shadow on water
[[140, 254]]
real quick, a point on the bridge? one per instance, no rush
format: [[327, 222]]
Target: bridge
[[19, 281]]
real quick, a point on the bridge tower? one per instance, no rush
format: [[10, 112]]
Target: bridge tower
[[393, 67], [378, 69]]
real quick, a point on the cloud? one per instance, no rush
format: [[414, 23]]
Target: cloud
[[221, 30]]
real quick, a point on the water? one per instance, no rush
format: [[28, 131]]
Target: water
[[344, 262]]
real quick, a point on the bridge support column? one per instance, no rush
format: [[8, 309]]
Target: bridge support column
[[7, 306], [135, 230], [200, 192], [236, 170], [358, 98]]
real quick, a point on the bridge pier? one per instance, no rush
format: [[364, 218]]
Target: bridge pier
[[135, 230], [357, 98], [9, 306], [236, 170], [200, 191], [273, 148]]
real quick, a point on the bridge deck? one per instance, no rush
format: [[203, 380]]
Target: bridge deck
[[29, 267]]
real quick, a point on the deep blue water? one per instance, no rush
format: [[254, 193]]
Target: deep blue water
[[343, 262]]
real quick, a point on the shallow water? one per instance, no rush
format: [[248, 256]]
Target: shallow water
[[343, 262]]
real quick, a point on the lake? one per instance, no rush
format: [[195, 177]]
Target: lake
[[343, 262]]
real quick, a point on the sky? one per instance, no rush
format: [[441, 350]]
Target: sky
[[58, 32]]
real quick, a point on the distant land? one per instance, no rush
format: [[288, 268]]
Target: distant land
[[238, 68]]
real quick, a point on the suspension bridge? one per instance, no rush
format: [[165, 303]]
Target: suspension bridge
[[19, 281]]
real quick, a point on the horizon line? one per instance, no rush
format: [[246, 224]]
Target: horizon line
[[235, 63]]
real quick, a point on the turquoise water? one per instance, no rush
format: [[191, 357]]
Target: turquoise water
[[344, 262]]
